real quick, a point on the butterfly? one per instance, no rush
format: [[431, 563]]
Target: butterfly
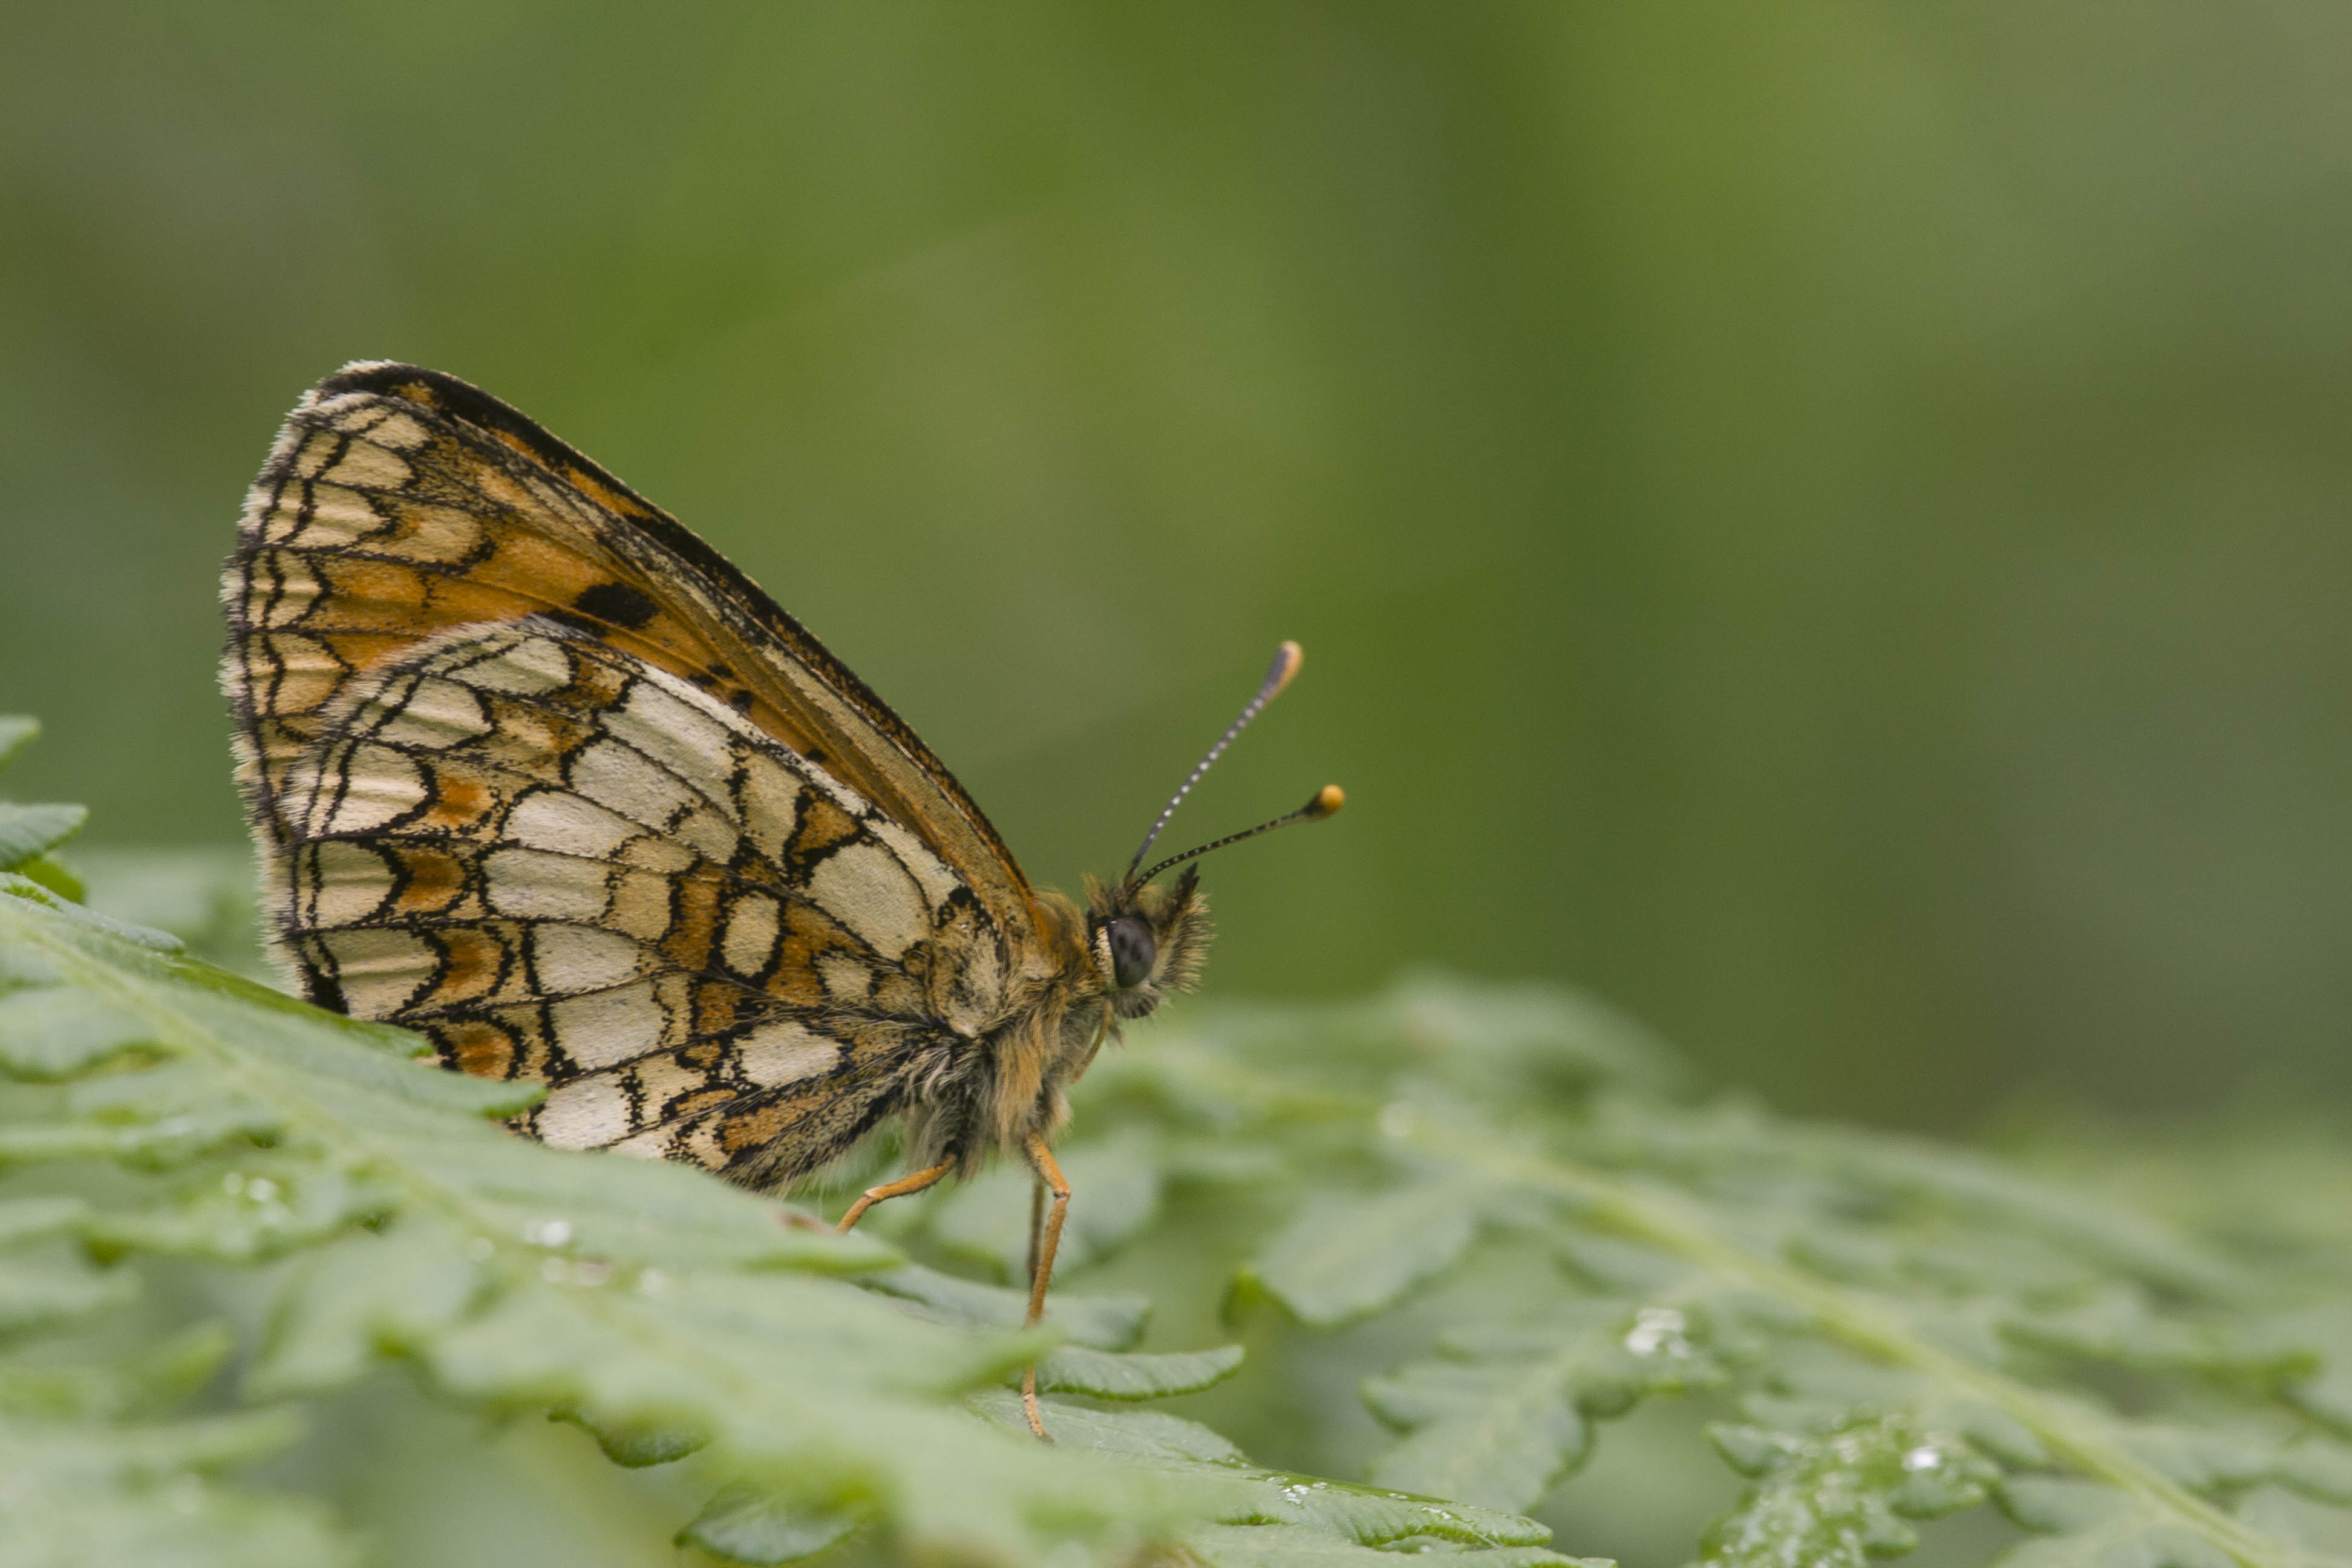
[[535, 772]]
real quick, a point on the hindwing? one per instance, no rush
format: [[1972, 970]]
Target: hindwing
[[566, 865]]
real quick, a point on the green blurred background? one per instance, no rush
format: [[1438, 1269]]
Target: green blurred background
[[1822, 523]]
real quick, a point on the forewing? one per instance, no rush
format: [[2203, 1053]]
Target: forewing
[[399, 503], [565, 864]]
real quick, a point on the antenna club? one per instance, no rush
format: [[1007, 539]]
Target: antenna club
[[1327, 800], [1286, 660]]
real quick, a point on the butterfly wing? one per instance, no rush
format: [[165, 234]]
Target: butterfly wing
[[535, 772], [399, 502]]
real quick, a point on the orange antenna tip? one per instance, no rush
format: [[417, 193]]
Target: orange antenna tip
[[1286, 660], [1327, 800]]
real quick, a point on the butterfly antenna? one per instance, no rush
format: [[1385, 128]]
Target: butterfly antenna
[[1327, 799], [1286, 660]]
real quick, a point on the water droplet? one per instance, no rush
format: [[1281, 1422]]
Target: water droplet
[[1657, 1328], [1926, 1457]]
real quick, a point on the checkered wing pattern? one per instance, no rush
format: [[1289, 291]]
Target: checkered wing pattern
[[536, 772]]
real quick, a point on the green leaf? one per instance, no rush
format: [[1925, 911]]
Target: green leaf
[[1235, 1492], [1347, 1255], [373, 1293], [1846, 1280], [1503, 1412], [27, 831], [750, 1524], [17, 730], [1839, 1496], [1103, 1322], [54, 875], [133, 1499], [16, 885], [148, 1383], [2121, 1324], [37, 1219], [91, 1474], [55, 1033], [1288, 1546], [2084, 1525], [56, 1290], [1074, 1368]]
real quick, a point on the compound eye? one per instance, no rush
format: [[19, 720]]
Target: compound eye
[[1132, 951]]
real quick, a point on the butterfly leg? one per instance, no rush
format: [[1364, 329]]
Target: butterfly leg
[[1037, 1228], [898, 1189], [1041, 1269]]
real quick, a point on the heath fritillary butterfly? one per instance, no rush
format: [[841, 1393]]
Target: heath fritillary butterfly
[[535, 772]]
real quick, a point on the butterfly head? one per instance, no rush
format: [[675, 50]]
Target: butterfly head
[[1147, 941]]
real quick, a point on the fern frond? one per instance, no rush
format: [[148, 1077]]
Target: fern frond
[[1872, 1300], [95, 1469], [1504, 1213], [165, 1108]]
